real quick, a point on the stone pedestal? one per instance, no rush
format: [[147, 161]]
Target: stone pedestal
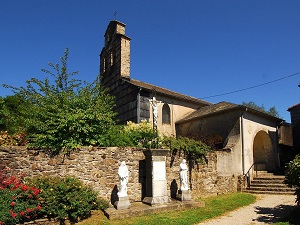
[[184, 195], [156, 179], [122, 203]]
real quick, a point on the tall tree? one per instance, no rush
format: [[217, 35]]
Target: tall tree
[[66, 114]]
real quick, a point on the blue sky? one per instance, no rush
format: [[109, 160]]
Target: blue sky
[[196, 47]]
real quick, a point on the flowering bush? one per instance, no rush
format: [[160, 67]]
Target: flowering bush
[[18, 201], [141, 134], [67, 198]]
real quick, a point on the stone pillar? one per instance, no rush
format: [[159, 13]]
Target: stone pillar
[[156, 178]]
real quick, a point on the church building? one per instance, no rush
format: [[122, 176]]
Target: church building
[[243, 136]]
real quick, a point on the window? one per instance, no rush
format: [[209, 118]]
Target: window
[[166, 114]]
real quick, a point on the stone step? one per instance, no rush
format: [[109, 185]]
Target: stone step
[[269, 192], [278, 185], [279, 189], [268, 183]]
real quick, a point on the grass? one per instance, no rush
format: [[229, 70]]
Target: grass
[[214, 206]]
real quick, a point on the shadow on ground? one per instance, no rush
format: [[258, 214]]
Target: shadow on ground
[[272, 215]]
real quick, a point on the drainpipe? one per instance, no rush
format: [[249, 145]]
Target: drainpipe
[[242, 139], [138, 106]]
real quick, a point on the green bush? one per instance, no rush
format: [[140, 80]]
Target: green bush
[[292, 176], [195, 151], [141, 135], [67, 198], [18, 201]]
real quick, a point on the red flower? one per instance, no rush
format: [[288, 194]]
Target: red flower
[[12, 204], [22, 213], [13, 215], [24, 187], [38, 207], [1, 223], [28, 217], [30, 196], [28, 210]]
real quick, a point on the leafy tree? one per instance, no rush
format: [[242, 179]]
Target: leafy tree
[[67, 113], [272, 111]]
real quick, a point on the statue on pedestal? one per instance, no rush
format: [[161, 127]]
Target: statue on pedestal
[[183, 169], [123, 176]]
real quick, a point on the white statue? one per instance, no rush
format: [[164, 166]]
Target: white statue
[[183, 169], [155, 105], [123, 176]]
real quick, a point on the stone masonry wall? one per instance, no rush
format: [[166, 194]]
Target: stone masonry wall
[[98, 167]]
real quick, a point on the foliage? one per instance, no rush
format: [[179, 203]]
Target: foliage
[[12, 109], [142, 134], [292, 176], [16, 139], [67, 198], [214, 207], [18, 201], [193, 149], [271, 111], [67, 114]]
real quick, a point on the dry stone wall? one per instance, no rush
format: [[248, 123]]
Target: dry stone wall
[[98, 167]]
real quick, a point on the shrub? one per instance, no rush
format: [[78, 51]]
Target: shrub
[[142, 134], [18, 201], [292, 176], [67, 198]]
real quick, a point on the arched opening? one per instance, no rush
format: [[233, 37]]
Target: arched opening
[[166, 114], [262, 151]]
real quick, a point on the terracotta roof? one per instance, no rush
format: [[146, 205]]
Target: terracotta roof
[[223, 107], [294, 106], [166, 92]]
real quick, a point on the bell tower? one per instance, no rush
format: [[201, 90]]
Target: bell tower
[[115, 55]]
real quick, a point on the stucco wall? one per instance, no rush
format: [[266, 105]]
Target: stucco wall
[[98, 168], [229, 127], [254, 124]]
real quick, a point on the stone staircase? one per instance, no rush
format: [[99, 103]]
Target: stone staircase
[[269, 183]]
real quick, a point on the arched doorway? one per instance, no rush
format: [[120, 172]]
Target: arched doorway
[[262, 151]]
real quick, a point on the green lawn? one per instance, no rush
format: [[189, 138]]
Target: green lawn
[[214, 206]]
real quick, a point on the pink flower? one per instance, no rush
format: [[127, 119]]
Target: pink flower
[[22, 213], [12, 204], [13, 215]]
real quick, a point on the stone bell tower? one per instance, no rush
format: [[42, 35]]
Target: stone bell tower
[[115, 55]]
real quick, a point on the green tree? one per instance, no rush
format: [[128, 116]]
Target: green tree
[[67, 113], [271, 111]]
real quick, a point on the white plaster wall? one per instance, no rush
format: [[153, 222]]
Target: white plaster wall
[[231, 162], [252, 125]]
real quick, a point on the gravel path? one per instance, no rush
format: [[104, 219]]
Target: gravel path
[[266, 210]]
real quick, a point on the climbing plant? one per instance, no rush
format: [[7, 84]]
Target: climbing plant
[[195, 151]]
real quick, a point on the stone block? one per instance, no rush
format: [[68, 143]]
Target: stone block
[[185, 195], [122, 203]]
